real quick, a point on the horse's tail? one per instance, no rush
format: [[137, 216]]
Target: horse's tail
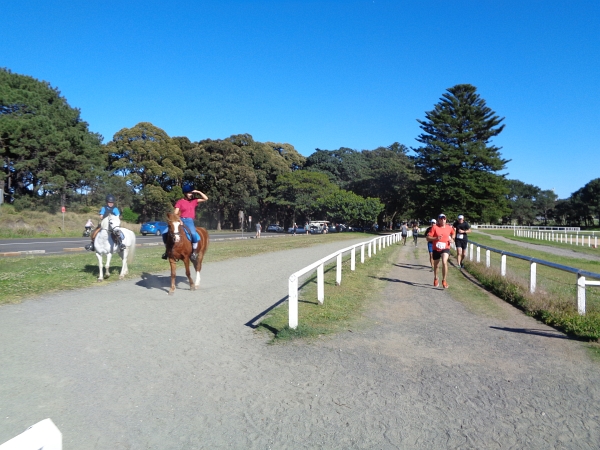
[[203, 244], [131, 253]]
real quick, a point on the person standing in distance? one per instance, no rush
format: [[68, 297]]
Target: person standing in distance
[[415, 232], [258, 229], [404, 232], [430, 244], [461, 229], [441, 236], [185, 208]]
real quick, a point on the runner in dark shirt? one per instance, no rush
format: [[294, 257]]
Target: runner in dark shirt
[[462, 228]]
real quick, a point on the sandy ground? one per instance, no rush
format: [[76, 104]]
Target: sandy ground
[[124, 366]]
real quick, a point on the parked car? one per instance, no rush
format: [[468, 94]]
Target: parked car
[[156, 228], [356, 229], [314, 229], [275, 228], [299, 230]]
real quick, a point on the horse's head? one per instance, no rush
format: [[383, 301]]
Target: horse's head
[[175, 224], [110, 222]]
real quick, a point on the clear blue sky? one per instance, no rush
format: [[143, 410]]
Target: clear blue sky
[[325, 74]]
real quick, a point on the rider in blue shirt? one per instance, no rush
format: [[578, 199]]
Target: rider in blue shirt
[[107, 209]]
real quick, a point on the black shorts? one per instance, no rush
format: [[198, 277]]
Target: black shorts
[[461, 243], [437, 255]]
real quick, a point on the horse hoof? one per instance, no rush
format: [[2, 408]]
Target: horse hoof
[[121, 277], [192, 287], [100, 280], [171, 292]]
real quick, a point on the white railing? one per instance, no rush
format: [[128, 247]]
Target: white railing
[[564, 237], [581, 274], [371, 246], [510, 227]]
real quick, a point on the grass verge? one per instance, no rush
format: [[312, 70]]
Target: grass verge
[[29, 276], [555, 311], [343, 304]]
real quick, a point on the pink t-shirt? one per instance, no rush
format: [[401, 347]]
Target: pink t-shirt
[[187, 208]]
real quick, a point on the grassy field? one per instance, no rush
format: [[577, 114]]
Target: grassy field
[[563, 245], [555, 299], [30, 276]]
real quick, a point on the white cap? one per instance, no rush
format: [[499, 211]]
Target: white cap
[[461, 216], [433, 221]]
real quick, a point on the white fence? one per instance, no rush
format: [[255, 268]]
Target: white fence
[[581, 274], [565, 237], [510, 227], [371, 248]]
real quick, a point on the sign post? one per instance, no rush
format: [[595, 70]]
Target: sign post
[[63, 213]]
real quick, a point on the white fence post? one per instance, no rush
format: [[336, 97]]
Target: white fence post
[[580, 294], [375, 246], [362, 253], [369, 249], [478, 254], [293, 301], [321, 283], [532, 277], [503, 265], [338, 272], [471, 252], [353, 259], [487, 258]]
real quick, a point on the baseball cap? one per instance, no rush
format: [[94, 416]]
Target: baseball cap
[[461, 216], [442, 216], [433, 220]]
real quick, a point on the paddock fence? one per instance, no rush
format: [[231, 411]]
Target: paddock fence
[[370, 247], [577, 238], [581, 276]]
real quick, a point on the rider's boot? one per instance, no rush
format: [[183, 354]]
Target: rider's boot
[[90, 247], [194, 255], [164, 256]]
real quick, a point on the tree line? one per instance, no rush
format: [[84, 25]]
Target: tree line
[[51, 159]]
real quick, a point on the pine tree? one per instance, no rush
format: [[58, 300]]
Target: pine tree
[[457, 162]]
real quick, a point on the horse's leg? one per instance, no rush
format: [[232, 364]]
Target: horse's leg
[[124, 268], [108, 258], [100, 268], [173, 275], [186, 261]]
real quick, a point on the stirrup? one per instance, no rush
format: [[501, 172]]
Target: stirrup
[[164, 256], [194, 256], [122, 247]]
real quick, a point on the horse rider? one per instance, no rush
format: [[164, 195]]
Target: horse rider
[[185, 208], [107, 209]]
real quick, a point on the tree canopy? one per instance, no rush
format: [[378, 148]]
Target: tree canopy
[[458, 165]]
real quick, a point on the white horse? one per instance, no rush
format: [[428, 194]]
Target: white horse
[[105, 244]]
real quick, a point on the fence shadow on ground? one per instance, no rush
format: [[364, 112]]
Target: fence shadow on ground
[[544, 333]]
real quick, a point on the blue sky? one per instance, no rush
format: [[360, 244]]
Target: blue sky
[[325, 74]]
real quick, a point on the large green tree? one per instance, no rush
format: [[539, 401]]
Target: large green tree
[[46, 149], [458, 165], [146, 156]]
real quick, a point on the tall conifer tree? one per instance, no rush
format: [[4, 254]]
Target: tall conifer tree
[[458, 164]]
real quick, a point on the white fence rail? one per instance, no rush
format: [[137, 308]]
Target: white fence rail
[[510, 227], [371, 248], [564, 237], [581, 281]]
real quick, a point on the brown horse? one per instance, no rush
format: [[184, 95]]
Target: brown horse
[[179, 248]]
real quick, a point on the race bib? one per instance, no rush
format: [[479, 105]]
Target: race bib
[[440, 245], [460, 236]]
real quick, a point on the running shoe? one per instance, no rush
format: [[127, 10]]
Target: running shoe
[[445, 284], [436, 283]]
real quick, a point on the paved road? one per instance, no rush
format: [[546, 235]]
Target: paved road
[[124, 366], [49, 246]]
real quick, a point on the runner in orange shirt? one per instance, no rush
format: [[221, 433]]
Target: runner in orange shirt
[[441, 236]]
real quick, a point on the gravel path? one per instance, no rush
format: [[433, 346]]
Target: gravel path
[[124, 366]]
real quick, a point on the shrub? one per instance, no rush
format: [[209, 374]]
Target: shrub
[[129, 216]]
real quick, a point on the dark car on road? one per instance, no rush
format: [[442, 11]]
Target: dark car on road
[[299, 230], [156, 228]]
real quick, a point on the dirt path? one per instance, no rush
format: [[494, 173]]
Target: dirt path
[[124, 366]]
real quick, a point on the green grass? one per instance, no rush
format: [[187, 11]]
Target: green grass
[[574, 248], [30, 276], [555, 299], [343, 305]]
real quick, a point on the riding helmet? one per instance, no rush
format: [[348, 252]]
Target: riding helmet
[[110, 198], [187, 188]]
